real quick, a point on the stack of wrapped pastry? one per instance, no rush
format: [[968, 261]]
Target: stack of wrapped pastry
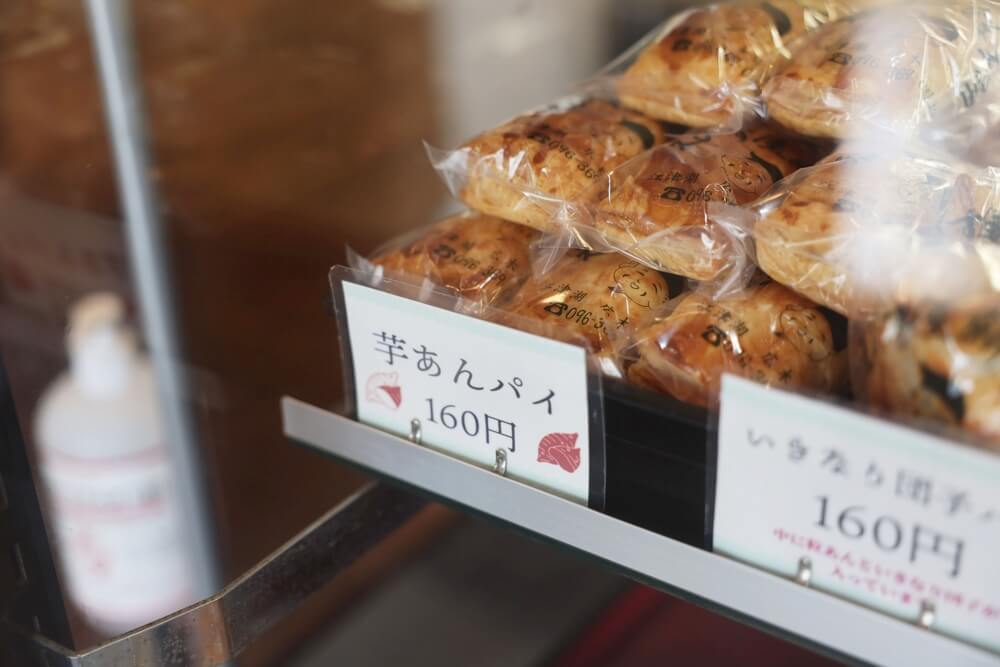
[[736, 247], [705, 68]]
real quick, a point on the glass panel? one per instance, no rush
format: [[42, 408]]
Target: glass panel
[[279, 138]]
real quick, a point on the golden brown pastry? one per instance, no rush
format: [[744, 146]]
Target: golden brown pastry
[[481, 257], [600, 298], [530, 167], [940, 362], [655, 207], [706, 70], [987, 151], [913, 65], [768, 334], [859, 231], [981, 145]]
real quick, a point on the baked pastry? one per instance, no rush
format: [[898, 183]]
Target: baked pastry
[[482, 258], [597, 298], [654, 208], [908, 67], [977, 138], [859, 231], [985, 151], [939, 362], [706, 69], [529, 168], [767, 333]]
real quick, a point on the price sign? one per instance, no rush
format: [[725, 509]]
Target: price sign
[[887, 516], [477, 390]]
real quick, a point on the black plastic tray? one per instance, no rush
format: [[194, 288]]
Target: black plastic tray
[[658, 463]]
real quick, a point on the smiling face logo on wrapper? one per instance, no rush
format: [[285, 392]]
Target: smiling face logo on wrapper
[[752, 175], [635, 283], [800, 327], [637, 134]]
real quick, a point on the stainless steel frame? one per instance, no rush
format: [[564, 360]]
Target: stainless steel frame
[[109, 28], [825, 622], [216, 630]]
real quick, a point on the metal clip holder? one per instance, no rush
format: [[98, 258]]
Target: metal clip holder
[[804, 573], [500, 466]]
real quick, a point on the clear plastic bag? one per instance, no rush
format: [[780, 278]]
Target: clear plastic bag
[[939, 362], [974, 137], [861, 231], [704, 68], [983, 146], [767, 333], [662, 208], [601, 297], [532, 168], [911, 68], [482, 258]]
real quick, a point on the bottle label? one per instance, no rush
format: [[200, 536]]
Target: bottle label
[[118, 534]]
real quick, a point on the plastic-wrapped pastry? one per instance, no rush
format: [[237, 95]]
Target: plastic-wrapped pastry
[[907, 67], [940, 362], [707, 67], [600, 298], [655, 208], [482, 258], [985, 152], [767, 333], [859, 231], [529, 168], [973, 136]]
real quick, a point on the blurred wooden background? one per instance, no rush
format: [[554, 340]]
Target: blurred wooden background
[[280, 137]]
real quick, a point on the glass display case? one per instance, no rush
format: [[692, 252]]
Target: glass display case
[[309, 314]]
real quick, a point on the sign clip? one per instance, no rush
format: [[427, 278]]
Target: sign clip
[[500, 467], [927, 614], [805, 572]]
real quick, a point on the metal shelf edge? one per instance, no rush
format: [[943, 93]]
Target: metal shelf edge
[[843, 627]]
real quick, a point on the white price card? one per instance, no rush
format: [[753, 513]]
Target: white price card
[[475, 387], [887, 516]]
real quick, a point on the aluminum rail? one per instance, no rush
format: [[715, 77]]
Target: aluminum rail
[[815, 619]]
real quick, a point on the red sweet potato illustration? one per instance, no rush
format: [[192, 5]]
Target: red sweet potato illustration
[[560, 449], [384, 389]]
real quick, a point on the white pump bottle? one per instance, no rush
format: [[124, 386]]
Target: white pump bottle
[[105, 466]]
